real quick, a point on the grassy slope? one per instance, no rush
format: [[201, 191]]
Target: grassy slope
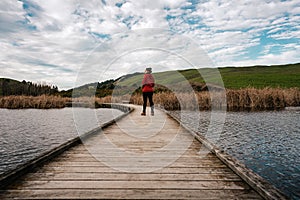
[[284, 76]]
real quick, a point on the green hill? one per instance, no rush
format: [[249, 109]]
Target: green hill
[[283, 76]]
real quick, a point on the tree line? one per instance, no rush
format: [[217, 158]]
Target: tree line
[[12, 87]]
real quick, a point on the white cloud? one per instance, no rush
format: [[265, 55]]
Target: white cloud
[[131, 52], [272, 59], [49, 40], [286, 35], [231, 27]]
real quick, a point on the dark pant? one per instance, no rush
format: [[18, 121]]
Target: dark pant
[[147, 95]]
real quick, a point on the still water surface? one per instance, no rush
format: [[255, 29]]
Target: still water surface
[[27, 133], [267, 142]]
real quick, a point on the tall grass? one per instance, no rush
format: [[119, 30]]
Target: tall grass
[[262, 99], [250, 99], [236, 100], [48, 101], [41, 102], [172, 101]]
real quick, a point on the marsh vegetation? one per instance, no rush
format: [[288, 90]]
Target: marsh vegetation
[[250, 99]]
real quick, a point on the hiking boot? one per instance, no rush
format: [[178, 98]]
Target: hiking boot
[[152, 110]]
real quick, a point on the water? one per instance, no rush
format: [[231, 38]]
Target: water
[[266, 142], [28, 133]]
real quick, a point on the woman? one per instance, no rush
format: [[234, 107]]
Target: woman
[[147, 89]]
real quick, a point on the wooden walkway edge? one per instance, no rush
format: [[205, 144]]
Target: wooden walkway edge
[[136, 158], [7, 178], [259, 184]]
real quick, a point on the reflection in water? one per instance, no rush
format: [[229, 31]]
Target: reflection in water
[[27, 133], [266, 142]]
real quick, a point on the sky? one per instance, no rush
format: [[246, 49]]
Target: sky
[[72, 42]]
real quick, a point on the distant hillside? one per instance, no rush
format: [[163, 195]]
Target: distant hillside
[[283, 76], [102, 89], [14, 87]]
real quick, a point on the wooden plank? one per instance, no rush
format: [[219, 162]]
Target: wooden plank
[[131, 194], [106, 163], [93, 159], [126, 164], [134, 146], [194, 145], [113, 154], [185, 184], [146, 161], [144, 144], [191, 155], [131, 176], [163, 139], [177, 170]]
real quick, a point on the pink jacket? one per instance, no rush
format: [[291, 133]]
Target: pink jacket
[[148, 83]]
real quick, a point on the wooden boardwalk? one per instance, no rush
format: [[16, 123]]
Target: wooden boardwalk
[[139, 157]]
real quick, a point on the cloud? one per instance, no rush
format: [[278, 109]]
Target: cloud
[[233, 27], [53, 40], [132, 51], [291, 56]]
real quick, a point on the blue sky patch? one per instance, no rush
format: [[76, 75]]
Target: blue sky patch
[[100, 35]]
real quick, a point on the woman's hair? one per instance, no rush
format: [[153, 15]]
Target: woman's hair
[[149, 69]]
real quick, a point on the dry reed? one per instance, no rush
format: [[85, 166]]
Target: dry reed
[[250, 99], [41, 102], [236, 100], [262, 99]]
